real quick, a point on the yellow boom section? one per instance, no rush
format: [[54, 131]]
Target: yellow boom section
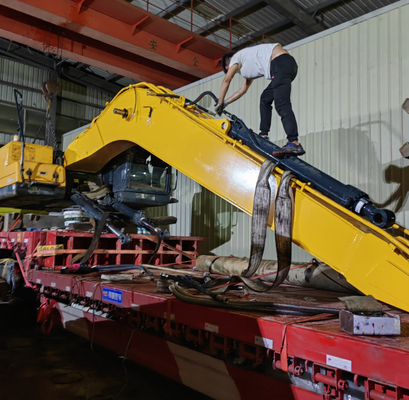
[[371, 258]]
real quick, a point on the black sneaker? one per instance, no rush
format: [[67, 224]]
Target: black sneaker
[[290, 149]]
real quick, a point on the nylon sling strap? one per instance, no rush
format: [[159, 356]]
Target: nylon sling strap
[[95, 239], [261, 210], [283, 222], [283, 235]]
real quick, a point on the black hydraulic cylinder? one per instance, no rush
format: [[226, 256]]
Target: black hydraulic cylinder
[[139, 218], [347, 196], [97, 214]]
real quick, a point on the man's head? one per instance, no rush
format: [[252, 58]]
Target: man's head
[[226, 60]]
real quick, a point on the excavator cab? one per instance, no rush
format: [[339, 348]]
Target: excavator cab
[[139, 179]]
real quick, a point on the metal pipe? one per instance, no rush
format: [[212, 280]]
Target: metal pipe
[[374, 395], [139, 219], [312, 275]]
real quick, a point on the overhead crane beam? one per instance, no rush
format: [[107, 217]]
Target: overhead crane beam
[[123, 26], [15, 51], [26, 30]]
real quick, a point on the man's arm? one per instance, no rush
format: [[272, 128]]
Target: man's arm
[[244, 87], [226, 82]]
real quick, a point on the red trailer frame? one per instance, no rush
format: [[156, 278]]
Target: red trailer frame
[[222, 353]]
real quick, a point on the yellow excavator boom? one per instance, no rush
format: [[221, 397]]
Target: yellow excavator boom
[[373, 259]]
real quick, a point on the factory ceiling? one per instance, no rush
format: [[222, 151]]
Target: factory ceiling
[[112, 43]]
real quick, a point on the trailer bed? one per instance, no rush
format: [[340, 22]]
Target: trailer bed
[[295, 357]]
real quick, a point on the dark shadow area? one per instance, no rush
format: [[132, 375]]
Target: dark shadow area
[[352, 157], [62, 366], [398, 175], [212, 218]]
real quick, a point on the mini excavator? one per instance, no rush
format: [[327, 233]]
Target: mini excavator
[[337, 223]]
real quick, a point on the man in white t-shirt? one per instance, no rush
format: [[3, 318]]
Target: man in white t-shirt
[[274, 63]]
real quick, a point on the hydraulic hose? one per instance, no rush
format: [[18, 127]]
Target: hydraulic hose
[[266, 307]]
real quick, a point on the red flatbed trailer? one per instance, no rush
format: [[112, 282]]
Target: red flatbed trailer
[[222, 353]]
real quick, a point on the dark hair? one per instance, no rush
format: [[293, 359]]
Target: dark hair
[[226, 58]]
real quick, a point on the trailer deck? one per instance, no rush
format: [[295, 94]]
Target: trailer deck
[[225, 354], [310, 355]]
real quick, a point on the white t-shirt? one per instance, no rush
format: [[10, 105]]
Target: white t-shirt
[[254, 61]]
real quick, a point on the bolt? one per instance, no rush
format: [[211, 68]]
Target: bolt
[[342, 385]]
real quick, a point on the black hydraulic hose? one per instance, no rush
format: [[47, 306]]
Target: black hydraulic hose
[[121, 267], [156, 249], [194, 285], [172, 96], [207, 93], [266, 307]]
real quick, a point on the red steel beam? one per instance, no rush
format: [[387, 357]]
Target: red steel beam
[[38, 34], [130, 28]]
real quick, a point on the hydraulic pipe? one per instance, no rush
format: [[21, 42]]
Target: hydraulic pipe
[[346, 195], [312, 275], [97, 214], [139, 218]]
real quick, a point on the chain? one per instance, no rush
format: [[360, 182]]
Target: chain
[[47, 121], [50, 123], [39, 130]]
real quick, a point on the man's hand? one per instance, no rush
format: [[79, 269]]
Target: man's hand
[[219, 107]]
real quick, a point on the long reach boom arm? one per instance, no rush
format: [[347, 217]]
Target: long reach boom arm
[[335, 222]]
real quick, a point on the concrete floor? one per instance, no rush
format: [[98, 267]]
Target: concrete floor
[[62, 366]]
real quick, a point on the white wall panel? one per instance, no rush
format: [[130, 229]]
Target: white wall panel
[[16, 73], [68, 138], [347, 98], [7, 137]]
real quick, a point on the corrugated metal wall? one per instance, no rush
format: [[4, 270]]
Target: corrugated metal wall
[[69, 137], [7, 137], [81, 102], [76, 106], [347, 99], [13, 73]]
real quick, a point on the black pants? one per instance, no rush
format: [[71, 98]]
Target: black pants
[[283, 70]]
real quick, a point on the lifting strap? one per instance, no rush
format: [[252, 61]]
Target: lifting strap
[[100, 225], [283, 231], [261, 211]]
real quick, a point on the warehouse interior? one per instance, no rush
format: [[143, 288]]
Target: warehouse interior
[[136, 200]]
